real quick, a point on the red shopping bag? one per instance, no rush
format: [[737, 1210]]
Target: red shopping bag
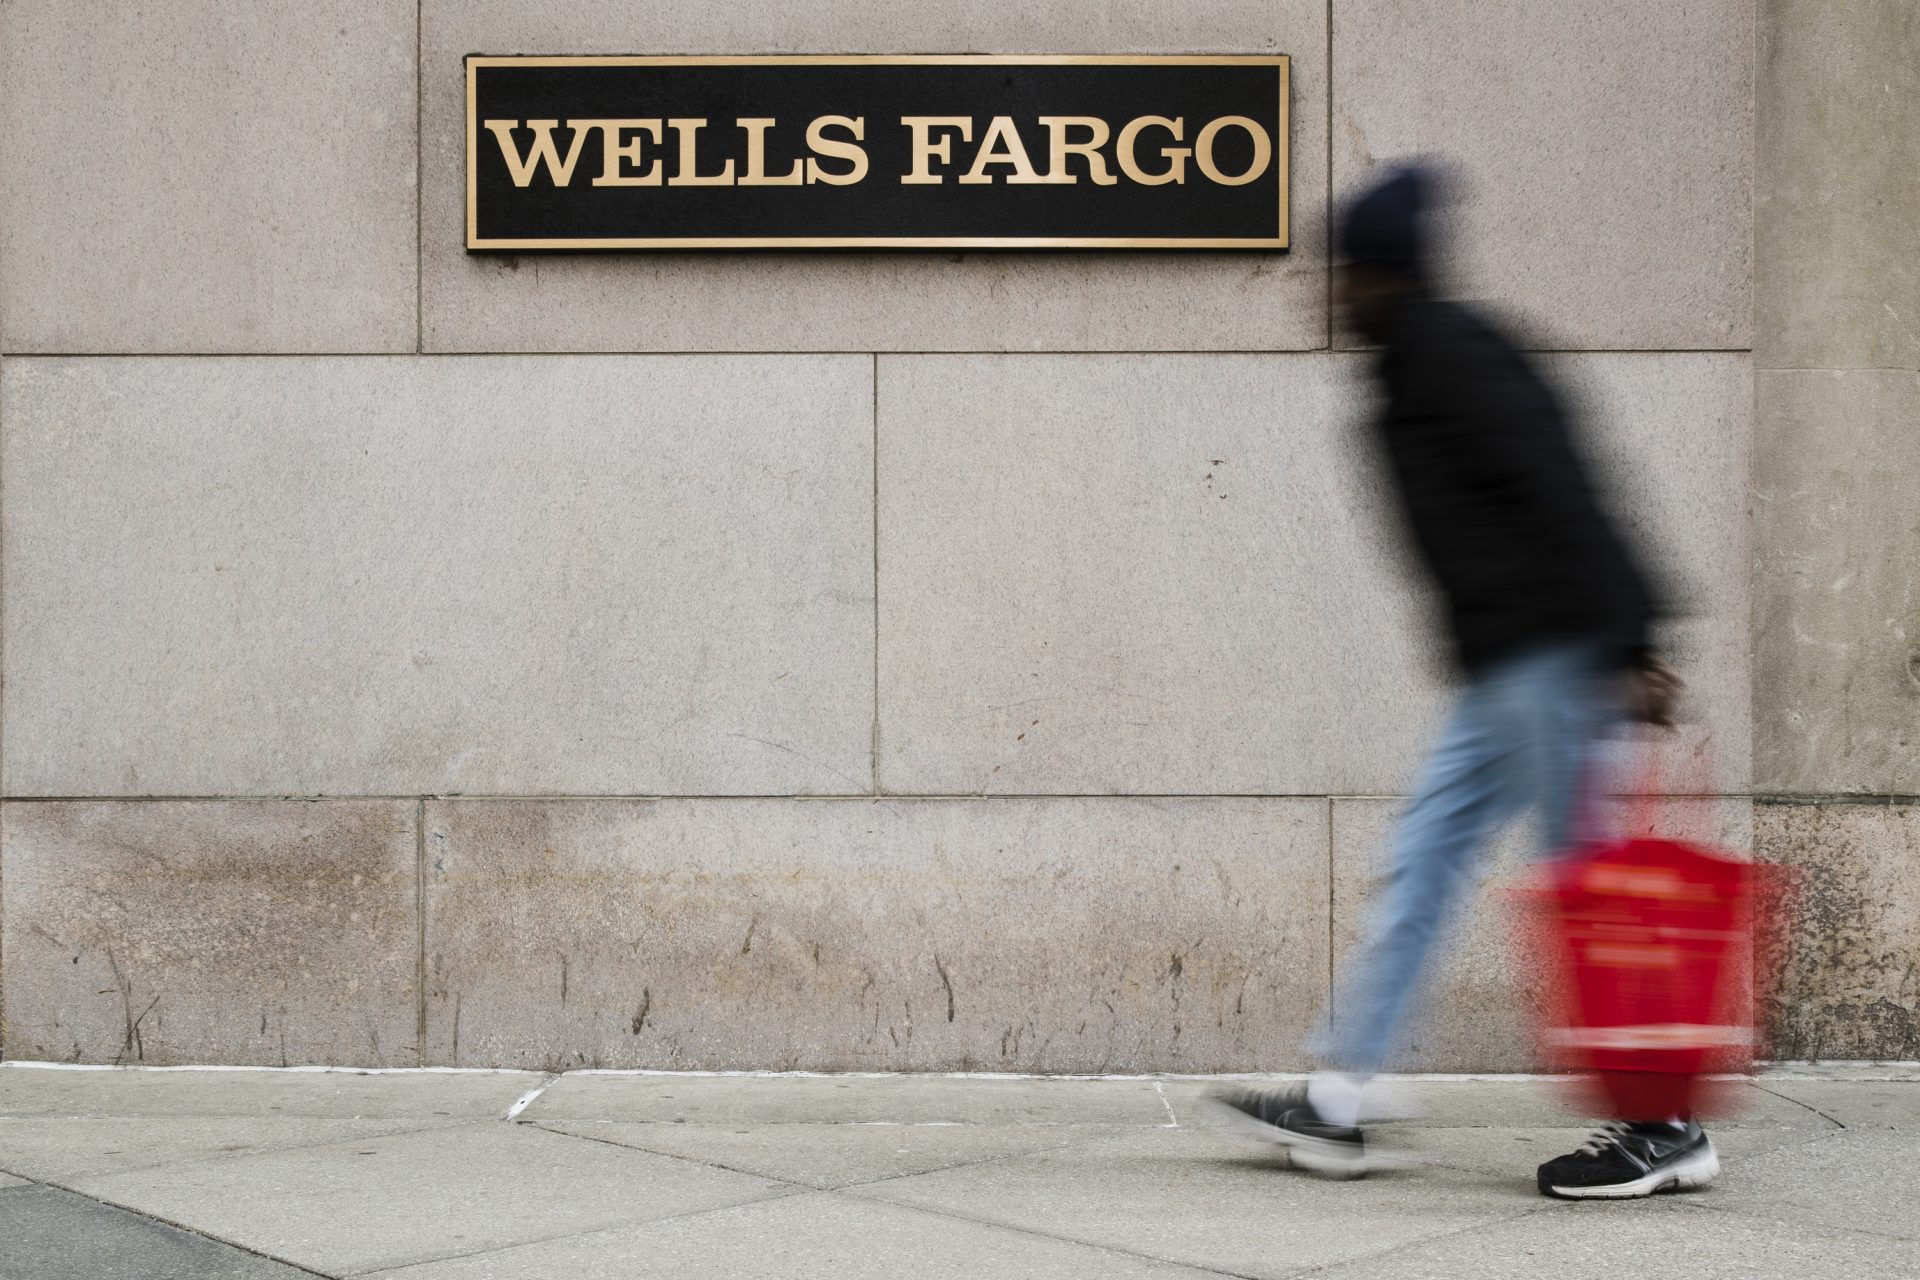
[[1656, 946]]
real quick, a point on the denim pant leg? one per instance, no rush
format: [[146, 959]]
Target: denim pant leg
[[1524, 733], [1470, 784]]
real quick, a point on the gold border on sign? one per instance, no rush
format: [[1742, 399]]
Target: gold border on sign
[[1283, 150]]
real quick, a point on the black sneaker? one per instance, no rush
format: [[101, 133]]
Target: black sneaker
[[1622, 1161], [1284, 1116]]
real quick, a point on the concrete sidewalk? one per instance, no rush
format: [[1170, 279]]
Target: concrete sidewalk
[[238, 1175]]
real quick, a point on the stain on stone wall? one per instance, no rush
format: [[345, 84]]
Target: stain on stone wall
[[1085, 935], [1850, 983], [261, 933]]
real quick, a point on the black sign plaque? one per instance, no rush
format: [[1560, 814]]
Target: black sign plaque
[[881, 152]]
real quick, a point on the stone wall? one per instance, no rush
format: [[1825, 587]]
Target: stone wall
[[1836, 573], [923, 661]]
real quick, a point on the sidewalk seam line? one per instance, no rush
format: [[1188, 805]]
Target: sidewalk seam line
[[1837, 1124], [856, 1187], [1498, 1221], [189, 1230], [545, 1127], [807, 1186], [1760, 1212], [946, 1212], [571, 1235]]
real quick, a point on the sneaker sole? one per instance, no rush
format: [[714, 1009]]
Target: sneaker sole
[[1316, 1155], [1696, 1170]]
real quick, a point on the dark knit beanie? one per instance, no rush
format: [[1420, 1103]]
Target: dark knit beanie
[[1385, 224]]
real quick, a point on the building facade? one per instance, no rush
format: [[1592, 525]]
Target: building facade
[[924, 660]]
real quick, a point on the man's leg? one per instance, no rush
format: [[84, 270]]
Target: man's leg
[[1473, 782], [1470, 784], [1574, 709]]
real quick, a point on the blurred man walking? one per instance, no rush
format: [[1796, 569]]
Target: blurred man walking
[[1550, 620]]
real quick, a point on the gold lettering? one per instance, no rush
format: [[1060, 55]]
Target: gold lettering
[[1059, 149], [542, 152], [688, 174], [614, 150], [925, 149], [1002, 145], [1262, 150], [821, 144], [1176, 170], [756, 175]]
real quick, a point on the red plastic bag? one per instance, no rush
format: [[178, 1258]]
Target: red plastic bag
[[1656, 946]]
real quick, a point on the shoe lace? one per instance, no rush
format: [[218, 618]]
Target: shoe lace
[[1605, 1136]]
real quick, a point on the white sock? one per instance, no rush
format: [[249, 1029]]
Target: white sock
[[1335, 1097]]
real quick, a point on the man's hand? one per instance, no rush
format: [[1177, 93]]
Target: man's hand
[[1652, 692]]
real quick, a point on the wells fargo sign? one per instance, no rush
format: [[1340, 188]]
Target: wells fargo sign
[[935, 152]]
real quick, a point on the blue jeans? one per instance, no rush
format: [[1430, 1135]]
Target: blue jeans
[[1526, 731]]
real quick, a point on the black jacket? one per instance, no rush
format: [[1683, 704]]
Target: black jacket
[[1497, 496]]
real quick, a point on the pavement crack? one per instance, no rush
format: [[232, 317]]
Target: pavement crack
[[1796, 1102], [1703, 1205], [400, 1269], [1068, 1145], [1499, 1220], [673, 1155], [942, 1211], [191, 1230]]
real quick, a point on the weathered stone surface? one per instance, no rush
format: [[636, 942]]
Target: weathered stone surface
[[1602, 155], [403, 576], [1836, 619], [1175, 573], [210, 931], [1484, 999], [1672, 438], [1837, 105], [870, 302], [1065, 935], [1851, 987], [459, 27], [378, 1202], [203, 176]]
